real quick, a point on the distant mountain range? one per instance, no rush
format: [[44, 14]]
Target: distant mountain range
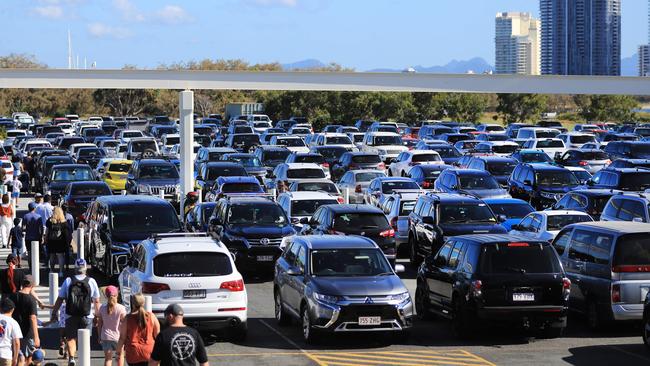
[[629, 65]]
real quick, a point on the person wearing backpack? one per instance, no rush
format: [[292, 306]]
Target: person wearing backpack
[[81, 296], [57, 237]]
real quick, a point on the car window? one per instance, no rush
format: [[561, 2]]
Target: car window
[[444, 252], [611, 210], [204, 264], [301, 259], [455, 254], [631, 209], [562, 241], [521, 258], [580, 242], [537, 223], [632, 251], [601, 247], [527, 222], [291, 253]]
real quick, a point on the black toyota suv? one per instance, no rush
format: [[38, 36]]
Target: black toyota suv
[[438, 216], [624, 179], [363, 220], [502, 279], [255, 229], [114, 225], [541, 184]]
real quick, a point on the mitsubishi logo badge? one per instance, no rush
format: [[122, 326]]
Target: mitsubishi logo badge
[[369, 300]]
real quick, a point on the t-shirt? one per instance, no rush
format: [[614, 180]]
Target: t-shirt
[[94, 291], [25, 308], [9, 330], [111, 322], [19, 275], [179, 346]]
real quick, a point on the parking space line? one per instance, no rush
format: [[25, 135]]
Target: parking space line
[[470, 360], [361, 362], [292, 343], [484, 361]]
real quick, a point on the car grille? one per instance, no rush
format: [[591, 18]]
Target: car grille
[[393, 151], [353, 312], [166, 189], [271, 241]]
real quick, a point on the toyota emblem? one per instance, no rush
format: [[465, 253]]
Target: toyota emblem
[[265, 241]]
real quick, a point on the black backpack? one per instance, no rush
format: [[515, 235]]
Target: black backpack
[[78, 302], [56, 232]]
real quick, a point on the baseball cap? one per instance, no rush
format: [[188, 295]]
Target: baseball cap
[[38, 355], [174, 309], [80, 263], [111, 291], [31, 206]]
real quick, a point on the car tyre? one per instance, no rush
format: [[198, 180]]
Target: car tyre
[[595, 321], [460, 323], [281, 315], [309, 334], [422, 306], [551, 333], [414, 256]]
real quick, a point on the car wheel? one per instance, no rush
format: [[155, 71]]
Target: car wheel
[[308, 332], [281, 316], [551, 333], [422, 305], [414, 256], [460, 323], [594, 319], [646, 333]]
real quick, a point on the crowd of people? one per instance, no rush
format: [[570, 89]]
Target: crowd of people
[[132, 337]]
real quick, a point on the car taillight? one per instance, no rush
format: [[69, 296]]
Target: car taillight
[[631, 268], [616, 293], [357, 189], [390, 233], [393, 223], [566, 287], [426, 184], [236, 285], [518, 245], [153, 288], [326, 165], [475, 288], [381, 166], [340, 199], [583, 163]]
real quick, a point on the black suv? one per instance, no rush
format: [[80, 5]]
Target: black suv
[[437, 216], [589, 201], [363, 220], [628, 149], [541, 184], [255, 229], [495, 278], [116, 224], [271, 156], [154, 177], [624, 179]]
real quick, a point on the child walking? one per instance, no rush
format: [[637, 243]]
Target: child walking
[[110, 317], [16, 240]]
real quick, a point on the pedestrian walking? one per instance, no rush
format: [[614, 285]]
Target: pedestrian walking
[[11, 335], [57, 239], [16, 186], [45, 209], [138, 333], [11, 278], [178, 344], [81, 295], [16, 240], [109, 318], [25, 314], [70, 220], [6, 219], [33, 227]]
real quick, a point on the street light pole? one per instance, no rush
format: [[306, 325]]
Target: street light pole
[[186, 110]]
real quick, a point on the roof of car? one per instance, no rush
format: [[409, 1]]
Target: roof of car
[[596, 192], [308, 195], [623, 227], [541, 166], [360, 153], [219, 149], [71, 166], [495, 158], [378, 133], [353, 208], [628, 170], [431, 167], [250, 199], [302, 166], [272, 147], [336, 241], [222, 163], [154, 162], [184, 243], [459, 171], [635, 161], [246, 179], [561, 213], [87, 183], [454, 197], [498, 238], [503, 201], [394, 179], [130, 199]]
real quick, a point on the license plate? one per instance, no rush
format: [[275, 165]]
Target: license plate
[[264, 258], [523, 297], [369, 320], [194, 294], [644, 293]]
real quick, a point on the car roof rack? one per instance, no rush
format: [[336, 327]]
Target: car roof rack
[[159, 236]]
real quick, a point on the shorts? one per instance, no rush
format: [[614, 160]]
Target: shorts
[[74, 323], [109, 346], [27, 347], [5, 362]]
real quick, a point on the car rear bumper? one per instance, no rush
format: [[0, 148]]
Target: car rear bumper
[[199, 318], [250, 259], [515, 314], [624, 312]]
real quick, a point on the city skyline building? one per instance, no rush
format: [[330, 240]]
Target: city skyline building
[[517, 44]]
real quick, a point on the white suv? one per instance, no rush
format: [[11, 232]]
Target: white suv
[[193, 270]]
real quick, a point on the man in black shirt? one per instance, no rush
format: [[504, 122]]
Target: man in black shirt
[[26, 316], [178, 345]]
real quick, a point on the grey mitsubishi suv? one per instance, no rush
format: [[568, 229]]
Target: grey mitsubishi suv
[[333, 283]]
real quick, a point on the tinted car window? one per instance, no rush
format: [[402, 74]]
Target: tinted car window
[[158, 171], [389, 187], [118, 167], [630, 210], [478, 182], [150, 218], [533, 258], [501, 167], [276, 154], [308, 207], [318, 186], [612, 208], [561, 241], [632, 249], [556, 178], [511, 210], [256, 214], [72, 175], [459, 213], [557, 222], [581, 242], [241, 188], [88, 190], [305, 173], [203, 264], [353, 222], [215, 172], [637, 181], [348, 262]]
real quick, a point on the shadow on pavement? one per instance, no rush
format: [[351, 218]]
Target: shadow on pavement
[[622, 354]]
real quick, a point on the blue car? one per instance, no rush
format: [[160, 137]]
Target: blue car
[[512, 209]]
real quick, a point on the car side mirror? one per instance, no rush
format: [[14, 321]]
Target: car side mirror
[[427, 220], [295, 271], [439, 261], [304, 220], [590, 183], [502, 218]]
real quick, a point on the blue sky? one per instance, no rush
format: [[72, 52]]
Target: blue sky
[[363, 34]]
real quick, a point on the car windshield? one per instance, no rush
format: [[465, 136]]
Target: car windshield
[[478, 182], [390, 186], [496, 137], [642, 131], [494, 128], [318, 186], [556, 178], [76, 174], [637, 181], [150, 218], [215, 172], [338, 140], [246, 161], [90, 190], [276, 155], [308, 207], [316, 159], [546, 135], [632, 250], [520, 259], [387, 140], [132, 134], [468, 144], [501, 167], [357, 222], [366, 159], [142, 146], [558, 222], [261, 125], [109, 144], [241, 188], [167, 171], [582, 139], [594, 155], [302, 131], [249, 214], [511, 210], [92, 153], [119, 167], [290, 142], [641, 148], [192, 264], [305, 173], [549, 144], [246, 139], [466, 213], [446, 152], [504, 149], [368, 176], [171, 141], [425, 157], [535, 157], [349, 263]]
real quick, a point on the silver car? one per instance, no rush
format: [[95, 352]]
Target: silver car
[[357, 181]]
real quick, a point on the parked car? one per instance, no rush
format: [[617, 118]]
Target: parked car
[[303, 204], [590, 201], [608, 264], [356, 161], [545, 225], [328, 284], [532, 156], [589, 160], [79, 195], [226, 186], [196, 220], [404, 162], [387, 185], [397, 207], [479, 183], [425, 175], [627, 207], [209, 172], [551, 146], [61, 175], [625, 179], [495, 279], [512, 209], [154, 177], [357, 182], [541, 184], [575, 140], [629, 163], [498, 166]]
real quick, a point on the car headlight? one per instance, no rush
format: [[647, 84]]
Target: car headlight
[[400, 297], [548, 195], [143, 188], [381, 152], [327, 299]]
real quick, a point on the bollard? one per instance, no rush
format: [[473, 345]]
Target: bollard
[[346, 195], [148, 303], [54, 286], [200, 195], [36, 264], [274, 193], [80, 243], [83, 347], [49, 193], [123, 192]]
